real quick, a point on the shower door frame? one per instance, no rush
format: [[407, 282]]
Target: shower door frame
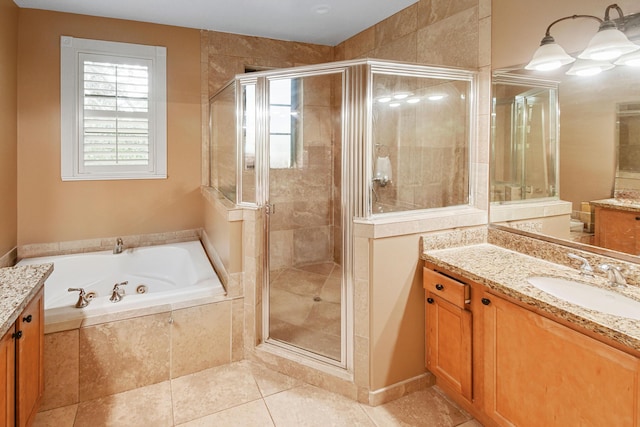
[[352, 86]]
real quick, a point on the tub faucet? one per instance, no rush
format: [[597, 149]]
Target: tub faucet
[[585, 268], [117, 292], [614, 274], [82, 299], [117, 249]]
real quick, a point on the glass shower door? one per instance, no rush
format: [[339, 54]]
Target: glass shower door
[[304, 228]]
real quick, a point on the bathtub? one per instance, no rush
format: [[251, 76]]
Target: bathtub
[[160, 278]]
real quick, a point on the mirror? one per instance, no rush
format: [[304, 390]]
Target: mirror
[[598, 146]]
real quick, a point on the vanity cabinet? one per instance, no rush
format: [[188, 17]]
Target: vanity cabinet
[[541, 373], [448, 323], [21, 359], [618, 230]]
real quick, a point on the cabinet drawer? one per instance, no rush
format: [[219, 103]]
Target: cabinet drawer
[[445, 287]]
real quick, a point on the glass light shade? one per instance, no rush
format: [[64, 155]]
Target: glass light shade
[[608, 44], [548, 57], [585, 67], [632, 59]]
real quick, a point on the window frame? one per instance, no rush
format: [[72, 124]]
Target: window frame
[[72, 50]]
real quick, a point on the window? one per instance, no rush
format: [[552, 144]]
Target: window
[[284, 117], [113, 101]]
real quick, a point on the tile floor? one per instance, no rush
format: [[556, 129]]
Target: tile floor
[[305, 307], [247, 394]]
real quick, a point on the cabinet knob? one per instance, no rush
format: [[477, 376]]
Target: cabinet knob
[[27, 319], [430, 300], [439, 287], [17, 335], [485, 301]]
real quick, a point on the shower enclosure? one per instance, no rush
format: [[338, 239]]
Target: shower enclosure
[[524, 135], [319, 147]]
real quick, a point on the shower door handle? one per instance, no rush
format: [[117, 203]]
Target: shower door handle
[[270, 209]]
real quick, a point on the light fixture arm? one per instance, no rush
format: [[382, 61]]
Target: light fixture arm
[[547, 35]]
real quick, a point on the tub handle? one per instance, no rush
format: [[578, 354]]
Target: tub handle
[[82, 300]]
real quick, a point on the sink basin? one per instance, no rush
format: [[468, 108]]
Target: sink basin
[[588, 296]]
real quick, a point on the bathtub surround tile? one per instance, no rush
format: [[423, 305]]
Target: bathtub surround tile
[[145, 406], [237, 329], [203, 393], [308, 405], [123, 355], [61, 364], [200, 338], [59, 417], [252, 414]]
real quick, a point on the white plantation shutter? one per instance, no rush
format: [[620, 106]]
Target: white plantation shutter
[[118, 127]]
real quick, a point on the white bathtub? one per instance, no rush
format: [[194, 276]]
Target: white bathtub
[[175, 275]]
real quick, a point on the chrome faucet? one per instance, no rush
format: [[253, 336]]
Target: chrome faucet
[[82, 299], [117, 249], [614, 274], [117, 292], [585, 268]]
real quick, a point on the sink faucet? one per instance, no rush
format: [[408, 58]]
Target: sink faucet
[[82, 299], [117, 292], [585, 268], [117, 249], [614, 274]]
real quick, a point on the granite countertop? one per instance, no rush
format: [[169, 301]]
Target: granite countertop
[[18, 286], [631, 205], [506, 272]]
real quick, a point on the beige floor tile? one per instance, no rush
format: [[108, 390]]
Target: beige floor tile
[[59, 417], [310, 406], [309, 339], [123, 355], [200, 338], [423, 408], [252, 414], [472, 423], [332, 289], [144, 406], [325, 317], [60, 369], [212, 390], [324, 268], [271, 382]]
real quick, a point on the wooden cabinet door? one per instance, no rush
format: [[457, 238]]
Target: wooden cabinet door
[[617, 230], [29, 361], [449, 344], [7, 375], [540, 373]]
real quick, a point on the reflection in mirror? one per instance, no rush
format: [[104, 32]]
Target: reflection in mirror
[[524, 128], [594, 159]]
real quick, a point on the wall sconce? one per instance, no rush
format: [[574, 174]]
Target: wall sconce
[[608, 44]]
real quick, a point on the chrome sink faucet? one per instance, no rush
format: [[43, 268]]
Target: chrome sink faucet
[[117, 292], [614, 274], [117, 249], [585, 267]]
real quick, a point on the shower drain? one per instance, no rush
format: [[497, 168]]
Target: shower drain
[[317, 298]]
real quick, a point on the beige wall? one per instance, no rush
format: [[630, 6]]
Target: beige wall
[[8, 124], [50, 210]]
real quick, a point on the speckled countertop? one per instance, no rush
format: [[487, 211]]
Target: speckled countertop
[[507, 271], [631, 205], [18, 285]]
